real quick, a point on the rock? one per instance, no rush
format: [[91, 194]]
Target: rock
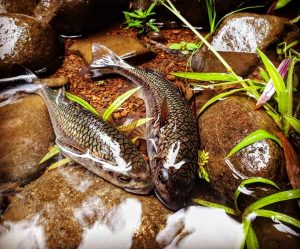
[[25, 7], [74, 207], [237, 39], [26, 134], [26, 41], [114, 42], [75, 17], [197, 17], [223, 126]]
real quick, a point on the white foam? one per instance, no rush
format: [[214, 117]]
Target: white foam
[[25, 234], [116, 230], [201, 227]]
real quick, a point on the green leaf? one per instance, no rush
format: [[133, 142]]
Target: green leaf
[[205, 76], [151, 7], [59, 163], [175, 46], [228, 210], [191, 46], [293, 122], [81, 102], [278, 83], [119, 101], [281, 4], [278, 216], [219, 97], [264, 74], [278, 197], [247, 182], [251, 240], [134, 124], [135, 15], [53, 150], [252, 138]]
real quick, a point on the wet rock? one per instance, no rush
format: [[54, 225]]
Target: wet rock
[[26, 41], [26, 134], [114, 42], [74, 17], [25, 7], [72, 207], [223, 126], [237, 39]]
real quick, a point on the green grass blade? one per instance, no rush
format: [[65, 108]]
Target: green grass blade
[[205, 76], [59, 163], [277, 81], [53, 150], [219, 97], [81, 102], [252, 138], [293, 122], [278, 216], [247, 182], [281, 3], [263, 74], [134, 124], [281, 196], [251, 240], [228, 210], [119, 101]]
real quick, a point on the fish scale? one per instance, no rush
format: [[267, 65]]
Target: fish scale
[[174, 131]]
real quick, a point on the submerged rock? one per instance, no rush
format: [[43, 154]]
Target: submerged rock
[[223, 126], [74, 17], [26, 134], [75, 208], [237, 39], [26, 41], [114, 42], [25, 7]]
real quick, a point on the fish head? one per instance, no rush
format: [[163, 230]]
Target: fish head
[[173, 185], [137, 180]]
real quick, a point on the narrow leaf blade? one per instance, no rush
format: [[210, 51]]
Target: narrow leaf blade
[[119, 101], [205, 76], [81, 102], [53, 150], [134, 124], [252, 138], [59, 163], [214, 205], [293, 122]]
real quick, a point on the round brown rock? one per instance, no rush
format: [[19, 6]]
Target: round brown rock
[[26, 41], [26, 134], [223, 126]]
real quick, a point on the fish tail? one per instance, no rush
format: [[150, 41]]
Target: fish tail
[[104, 58]]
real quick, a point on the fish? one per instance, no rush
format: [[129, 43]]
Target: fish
[[172, 137], [93, 143]]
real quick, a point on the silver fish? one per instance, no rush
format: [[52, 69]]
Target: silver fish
[[172, 139], [93, 143]]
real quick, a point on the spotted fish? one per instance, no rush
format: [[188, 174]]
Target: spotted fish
[[93, 143], [172, 138]]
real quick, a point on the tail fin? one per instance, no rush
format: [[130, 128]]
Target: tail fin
[[104, 57]]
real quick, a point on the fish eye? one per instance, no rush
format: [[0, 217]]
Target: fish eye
[[124, 179], [163, 176]]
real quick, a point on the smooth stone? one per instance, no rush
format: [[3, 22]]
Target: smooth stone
[[26, 134], [25, 7], [75, 208], [26, 41], [237, 39], [116, 43], [224, 125], [75, 17]]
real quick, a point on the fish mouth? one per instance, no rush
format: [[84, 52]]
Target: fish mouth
[[140, 191], [172, 205]]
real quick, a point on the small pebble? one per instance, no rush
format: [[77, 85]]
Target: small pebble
[[170, 77], [124, 113], [176, 31]]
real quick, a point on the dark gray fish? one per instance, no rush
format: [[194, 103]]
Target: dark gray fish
[[172, 138], [93, 143]]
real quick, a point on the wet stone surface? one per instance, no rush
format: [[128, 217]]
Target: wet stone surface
[[237, 39], [224, 125], [26, 41], [26, 134], [25, 7]]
